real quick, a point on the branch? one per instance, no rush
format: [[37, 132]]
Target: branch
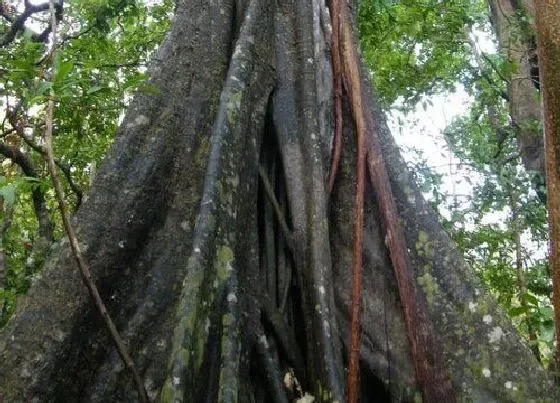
[[46, 225], [12, 118], [61, 165], [19, 158], [134, 63], [18, 24], [74, 244]]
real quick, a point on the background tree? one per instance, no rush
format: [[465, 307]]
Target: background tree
[[514, 22]]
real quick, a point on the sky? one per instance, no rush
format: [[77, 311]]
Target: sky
[[422, 129]]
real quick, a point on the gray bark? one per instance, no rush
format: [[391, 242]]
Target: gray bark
[[513, 22], [176, 228]]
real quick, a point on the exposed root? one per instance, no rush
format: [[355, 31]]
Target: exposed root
[[427, 358], [272, 373], [337, 74], [215, 260]]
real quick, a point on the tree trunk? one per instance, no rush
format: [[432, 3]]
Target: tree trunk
[[215, 298], [514, 24], [548, 33]]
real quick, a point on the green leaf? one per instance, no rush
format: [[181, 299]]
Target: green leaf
[[44, 87], [530, 299], [547, 331], [63, 70], [517, 310], [94, 89], [547, 312]]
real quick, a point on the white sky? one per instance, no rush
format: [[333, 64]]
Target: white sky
[[422, 129]]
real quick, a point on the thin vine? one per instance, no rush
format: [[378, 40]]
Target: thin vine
[[427, 359], [71, 233]]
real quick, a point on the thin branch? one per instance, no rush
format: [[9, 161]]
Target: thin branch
[[18, 24], [66, 170], [74, 244], [134, 63], [46, 226], [12, 118]]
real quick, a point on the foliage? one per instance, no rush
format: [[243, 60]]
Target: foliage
[[417, 48], [504, 226], [105, 48]]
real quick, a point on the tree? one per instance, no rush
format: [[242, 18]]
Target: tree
[[548, 34], [514, 22], [217, 285]]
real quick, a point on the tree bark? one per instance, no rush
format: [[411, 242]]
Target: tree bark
[[46, 226], [514, 24], [178, 239], [548, 34], [6, 224]]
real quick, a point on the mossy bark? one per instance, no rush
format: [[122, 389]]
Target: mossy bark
[[213, 304], [514, 23]]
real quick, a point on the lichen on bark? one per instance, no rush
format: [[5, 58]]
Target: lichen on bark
[[175, 230]]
